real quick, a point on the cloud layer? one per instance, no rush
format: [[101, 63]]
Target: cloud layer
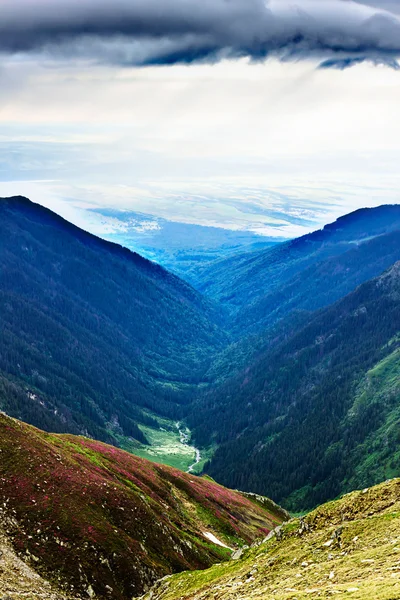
[[143, 32]]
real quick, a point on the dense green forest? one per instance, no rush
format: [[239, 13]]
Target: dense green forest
[[91, 333], [322, 283], [302, 421]]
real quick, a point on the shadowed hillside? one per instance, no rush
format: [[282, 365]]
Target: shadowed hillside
[[302, 422], [308, 272], [92, 333]]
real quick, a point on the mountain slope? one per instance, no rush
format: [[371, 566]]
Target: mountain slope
[[96, 520], [348, 548], [279, 314], [307, 395], [91, 332], [19, 580], [247, 278], [322, 283]]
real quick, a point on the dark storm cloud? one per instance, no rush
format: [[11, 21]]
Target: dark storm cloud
[[140, 32]]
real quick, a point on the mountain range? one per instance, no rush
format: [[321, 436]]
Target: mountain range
[[276, 348], [305, 273], [277, 368]]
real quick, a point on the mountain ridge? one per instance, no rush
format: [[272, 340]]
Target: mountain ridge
[[238, 281]]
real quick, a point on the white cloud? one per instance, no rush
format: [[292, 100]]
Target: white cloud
[[214, 144]]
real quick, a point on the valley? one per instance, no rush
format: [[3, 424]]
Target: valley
[[271, 351], [278, 376], [199, 300]]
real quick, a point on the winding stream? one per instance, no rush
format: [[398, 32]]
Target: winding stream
[[184, 439]]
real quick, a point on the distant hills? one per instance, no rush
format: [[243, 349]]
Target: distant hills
[[94, 521], [182, 248]]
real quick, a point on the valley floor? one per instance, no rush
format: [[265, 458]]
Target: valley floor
[[169, 445]]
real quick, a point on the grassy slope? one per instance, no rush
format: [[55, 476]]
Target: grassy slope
[[85, 514], [378, 456], [164, 445], [349, 548]]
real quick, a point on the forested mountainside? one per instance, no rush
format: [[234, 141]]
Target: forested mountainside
[[321, 284], [96, 521], [278, 314], [91, 333], [346, 549], [240, 281], [318, 414]]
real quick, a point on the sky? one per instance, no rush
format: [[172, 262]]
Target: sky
[[275, 117]]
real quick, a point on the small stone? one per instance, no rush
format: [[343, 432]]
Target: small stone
[[237, 554], [331, 575]]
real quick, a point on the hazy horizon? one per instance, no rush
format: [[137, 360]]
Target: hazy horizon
[[239, 115]]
